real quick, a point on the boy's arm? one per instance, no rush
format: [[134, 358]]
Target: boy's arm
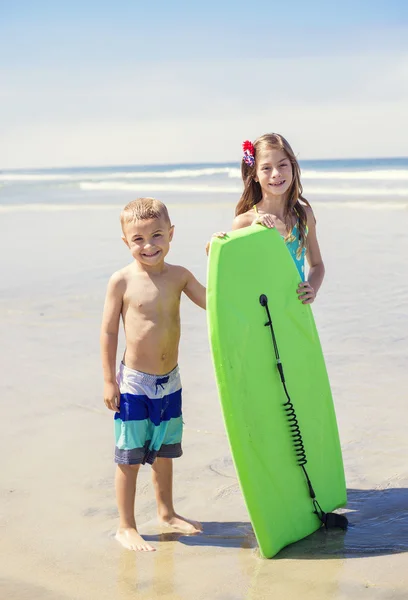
[[194, 290], [109, 339]]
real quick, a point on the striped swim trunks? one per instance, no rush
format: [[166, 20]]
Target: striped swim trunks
[[149, 423]]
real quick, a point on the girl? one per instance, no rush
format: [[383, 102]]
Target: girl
[[273, 197]]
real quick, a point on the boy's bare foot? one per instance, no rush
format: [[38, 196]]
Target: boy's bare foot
[[181, 524], [130, 539]]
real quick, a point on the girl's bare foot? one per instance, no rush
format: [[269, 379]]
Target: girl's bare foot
[[131, 540], [181, 524]]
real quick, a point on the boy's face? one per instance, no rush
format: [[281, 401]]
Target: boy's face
[[148, 240]]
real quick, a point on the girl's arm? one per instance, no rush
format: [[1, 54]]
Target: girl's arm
[[238, 223], [194, 290], [241, 221], [247, 219], [315, 278], [109, 339]]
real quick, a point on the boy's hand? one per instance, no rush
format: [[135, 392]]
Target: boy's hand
[[219, 234], [111, 396], [266, 220], [306, 293]]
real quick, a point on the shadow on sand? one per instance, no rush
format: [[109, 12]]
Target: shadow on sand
[[378, 525]]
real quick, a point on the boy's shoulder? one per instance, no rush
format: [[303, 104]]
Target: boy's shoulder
[[119, 279], [177, 271], [121, 274]]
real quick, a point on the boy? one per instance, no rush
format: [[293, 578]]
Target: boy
[[147, 392]]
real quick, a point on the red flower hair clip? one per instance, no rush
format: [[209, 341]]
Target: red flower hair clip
[[249, 153]]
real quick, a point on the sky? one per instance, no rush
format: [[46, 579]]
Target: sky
[[133, 82]]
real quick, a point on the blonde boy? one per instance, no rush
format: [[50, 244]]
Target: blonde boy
[[146, 393]]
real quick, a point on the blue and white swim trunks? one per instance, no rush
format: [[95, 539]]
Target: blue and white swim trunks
[[150, 422]]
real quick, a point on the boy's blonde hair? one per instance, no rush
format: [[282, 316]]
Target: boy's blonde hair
[[142, 209]]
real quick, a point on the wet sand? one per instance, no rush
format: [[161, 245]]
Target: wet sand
[[57, 506]]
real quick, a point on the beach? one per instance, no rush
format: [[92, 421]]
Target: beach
[[57, 510]]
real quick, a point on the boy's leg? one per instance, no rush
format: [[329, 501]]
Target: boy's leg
[[162, 475], [125, 484]]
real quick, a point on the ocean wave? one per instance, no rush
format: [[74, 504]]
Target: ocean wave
[[234, 173], [346, 191], [176, 174], [157, 187], [335, 205], [377, 175], [36, 207], [229, 172], [363, 205], [225, 189], [35, 177], [115, 175]]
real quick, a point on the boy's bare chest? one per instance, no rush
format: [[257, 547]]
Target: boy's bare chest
[[150, 299]]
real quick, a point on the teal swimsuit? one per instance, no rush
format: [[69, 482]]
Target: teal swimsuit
[[296, 252], [293, 245]]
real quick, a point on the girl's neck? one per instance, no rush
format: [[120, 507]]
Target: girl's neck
[[274, 205]]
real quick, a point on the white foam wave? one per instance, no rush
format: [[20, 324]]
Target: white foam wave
[[176, 174], [363, 205], [158, 187], [377, 175], [234, 173], [193, 173], [118, 175], [11, 208], [35, 177], [345, 191], [225, 189], [7, 208]]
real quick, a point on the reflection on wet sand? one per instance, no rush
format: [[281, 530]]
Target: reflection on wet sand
[[149, 577]]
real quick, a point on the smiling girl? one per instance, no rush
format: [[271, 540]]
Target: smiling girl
[[273, 197]]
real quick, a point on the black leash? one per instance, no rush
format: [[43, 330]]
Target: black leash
[[329, 520]]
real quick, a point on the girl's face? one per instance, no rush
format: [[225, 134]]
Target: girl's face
[[273, 171]]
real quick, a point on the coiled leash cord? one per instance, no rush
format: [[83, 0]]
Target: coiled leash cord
[[329, 520]]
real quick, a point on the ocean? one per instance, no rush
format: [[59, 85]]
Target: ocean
[[382, 182]]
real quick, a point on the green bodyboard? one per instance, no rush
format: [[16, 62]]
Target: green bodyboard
[[242, 266]]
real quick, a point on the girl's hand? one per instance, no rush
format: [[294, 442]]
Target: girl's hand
[[265, 220], [219, 234], [111, 396], [306, 293]]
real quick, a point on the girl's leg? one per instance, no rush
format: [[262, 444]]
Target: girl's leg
[[125, 484], [162, 475]]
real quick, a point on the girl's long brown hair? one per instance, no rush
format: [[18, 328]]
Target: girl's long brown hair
[[252, 193]]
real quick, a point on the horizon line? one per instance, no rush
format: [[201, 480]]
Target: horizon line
[[191, 164]]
